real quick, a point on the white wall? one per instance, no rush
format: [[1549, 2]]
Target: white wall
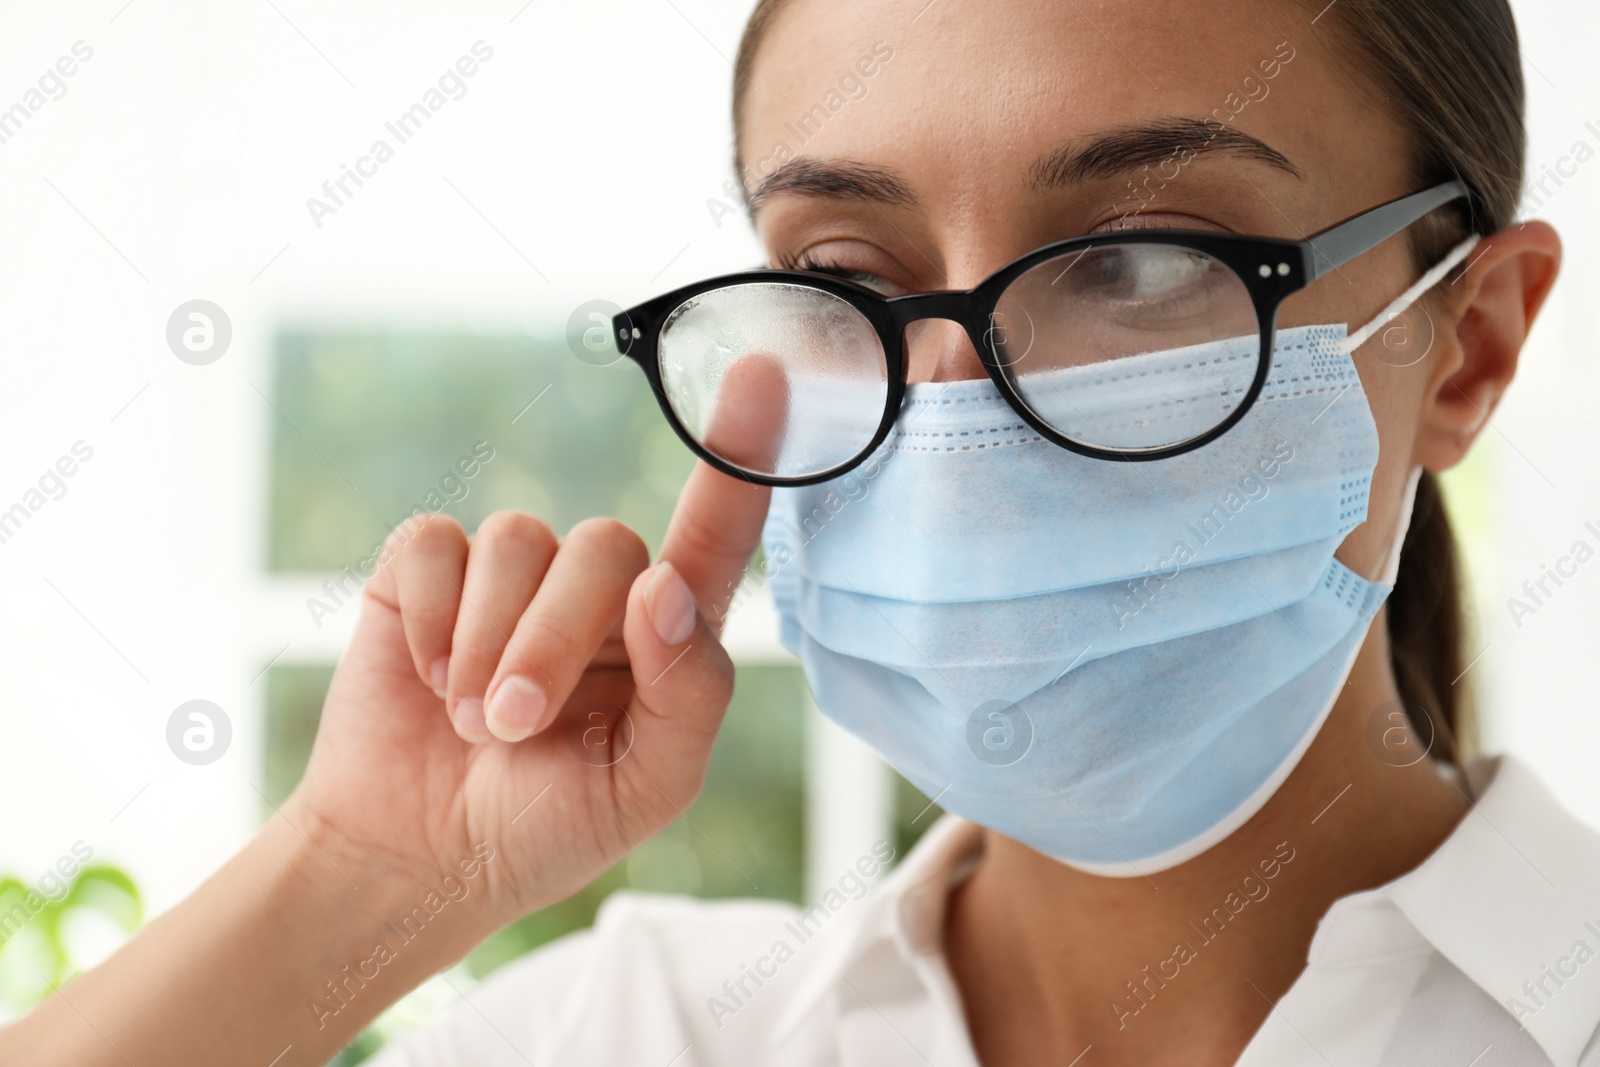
[[177, 166], [578, 165], [1540, 689]]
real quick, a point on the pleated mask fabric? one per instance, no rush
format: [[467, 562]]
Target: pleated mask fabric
[[1114, 663]]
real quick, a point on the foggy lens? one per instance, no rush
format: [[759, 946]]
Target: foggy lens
[[1131, 346], [775, 378]]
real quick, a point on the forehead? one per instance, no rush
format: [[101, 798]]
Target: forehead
[[963, 96]]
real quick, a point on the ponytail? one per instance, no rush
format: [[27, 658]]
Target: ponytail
[[1426, 630]]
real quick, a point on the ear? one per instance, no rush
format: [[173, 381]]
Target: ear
[[1487, 312]]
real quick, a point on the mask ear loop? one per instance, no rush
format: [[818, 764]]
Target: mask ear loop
[[1391, 568], [1348, 344], [1410, 296]]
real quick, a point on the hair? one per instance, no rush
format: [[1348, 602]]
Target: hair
[[1450, 72]]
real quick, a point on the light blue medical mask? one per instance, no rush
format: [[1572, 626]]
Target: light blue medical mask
[[1114, 663]]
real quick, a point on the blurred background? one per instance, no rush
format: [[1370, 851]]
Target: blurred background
[[171, 513]]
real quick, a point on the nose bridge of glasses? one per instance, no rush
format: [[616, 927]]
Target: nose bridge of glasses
[[955, 305], [935, 354]]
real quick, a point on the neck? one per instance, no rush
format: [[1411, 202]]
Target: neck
[[1184, 965]]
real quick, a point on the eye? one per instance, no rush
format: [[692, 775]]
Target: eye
[[1156, 220], [1145, 271], [1151, 286], [820, 265]]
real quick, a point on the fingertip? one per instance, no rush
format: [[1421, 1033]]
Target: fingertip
[[438, 675], [669, 605], [469, 721], [517, 709]]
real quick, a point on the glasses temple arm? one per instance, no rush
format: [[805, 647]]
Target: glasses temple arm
[[1344, 241]]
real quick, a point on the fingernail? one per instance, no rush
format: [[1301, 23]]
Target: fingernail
[[469, 720], [439, 674], [516, 708], [669, 605]]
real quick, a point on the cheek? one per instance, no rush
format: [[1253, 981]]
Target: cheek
[[1329, 300], [1394, 395]]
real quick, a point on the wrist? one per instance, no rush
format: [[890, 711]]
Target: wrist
[[428, 914], [292, 947]]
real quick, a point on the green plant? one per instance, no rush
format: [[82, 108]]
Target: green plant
[[36, 942]]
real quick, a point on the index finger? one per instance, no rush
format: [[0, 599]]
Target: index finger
[[717, 522]]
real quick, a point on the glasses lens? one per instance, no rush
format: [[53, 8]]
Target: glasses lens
[[775, 378], [1132, 347]]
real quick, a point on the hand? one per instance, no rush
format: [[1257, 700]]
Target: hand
[[604, 685], [555, 702]]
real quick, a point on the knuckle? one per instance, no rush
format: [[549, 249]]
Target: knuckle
[[542, 641], [719, 683], [382, 563], [708, 683], [516, 529], [425, 533], [476, 649], [435, 532], [427, 620], [709, 539], [612, 537], [399, 537]]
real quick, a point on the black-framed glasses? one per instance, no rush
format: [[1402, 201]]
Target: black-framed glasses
[[1128, 345]]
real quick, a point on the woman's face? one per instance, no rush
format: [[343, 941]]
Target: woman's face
[[935, 121]]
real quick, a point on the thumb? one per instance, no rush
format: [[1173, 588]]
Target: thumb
[[683, 682]]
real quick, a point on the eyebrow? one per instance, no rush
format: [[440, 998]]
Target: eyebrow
[[1128, 148], [1103, 155], [834, 179]]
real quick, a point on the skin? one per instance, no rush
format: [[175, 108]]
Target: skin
[[412, 781]]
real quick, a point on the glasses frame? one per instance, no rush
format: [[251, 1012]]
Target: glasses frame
[[1271, 269]]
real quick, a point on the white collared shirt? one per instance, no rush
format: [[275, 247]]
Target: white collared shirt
[[1485, 955]]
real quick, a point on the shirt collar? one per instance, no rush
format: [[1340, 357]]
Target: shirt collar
[[907, 910], [1511, 898]]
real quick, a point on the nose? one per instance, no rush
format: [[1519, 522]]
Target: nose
[[939, 350]]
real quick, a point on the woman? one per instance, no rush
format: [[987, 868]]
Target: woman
[[1131, 617]]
